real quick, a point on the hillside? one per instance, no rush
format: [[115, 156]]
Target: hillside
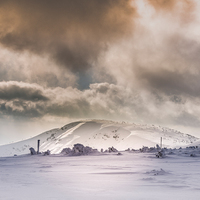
[[100, 134]]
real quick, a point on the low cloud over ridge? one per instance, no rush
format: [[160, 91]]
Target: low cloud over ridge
[[101, 100]]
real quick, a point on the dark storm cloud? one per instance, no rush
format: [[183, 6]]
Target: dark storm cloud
[[21, 109], [72, 32], [182, 74], [98, 101], [15, 90], [103, 100], [172, 83], [22, 100]]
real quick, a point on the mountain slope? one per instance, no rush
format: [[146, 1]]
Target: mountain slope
[[100, 134]]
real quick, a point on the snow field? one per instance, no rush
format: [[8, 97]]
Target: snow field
[[104, 176]]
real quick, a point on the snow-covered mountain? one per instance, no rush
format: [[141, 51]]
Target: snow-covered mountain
[[100, 134]]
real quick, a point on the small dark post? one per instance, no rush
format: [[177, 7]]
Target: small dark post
[[161, 142], [38, 147]]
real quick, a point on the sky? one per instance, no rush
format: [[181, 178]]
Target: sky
[[125, 60]]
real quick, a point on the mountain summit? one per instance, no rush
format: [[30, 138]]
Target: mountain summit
[[100, 134]]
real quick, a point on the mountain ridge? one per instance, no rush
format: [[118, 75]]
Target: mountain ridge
[[100, 134]]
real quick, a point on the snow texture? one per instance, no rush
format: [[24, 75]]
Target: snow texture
[[132, 175]]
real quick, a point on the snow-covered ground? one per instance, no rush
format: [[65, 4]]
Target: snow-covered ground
[[135, 174], [107, 176], [101, 134]]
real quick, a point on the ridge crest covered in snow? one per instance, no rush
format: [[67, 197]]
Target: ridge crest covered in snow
[[100, 134]]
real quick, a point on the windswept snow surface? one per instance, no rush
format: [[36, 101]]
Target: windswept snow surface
[[138, 176], [100, 134]]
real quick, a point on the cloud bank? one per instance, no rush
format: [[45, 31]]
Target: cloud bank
[[115, 59], [101, 100]]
